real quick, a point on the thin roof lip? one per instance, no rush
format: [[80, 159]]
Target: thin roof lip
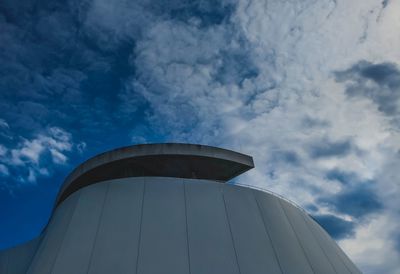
[[154, 149]]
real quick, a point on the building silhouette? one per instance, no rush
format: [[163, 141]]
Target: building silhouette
[[168, 209]]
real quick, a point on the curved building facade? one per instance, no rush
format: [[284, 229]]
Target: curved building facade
[[166, 208]]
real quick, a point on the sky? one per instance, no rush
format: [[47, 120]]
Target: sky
[[310, 89]]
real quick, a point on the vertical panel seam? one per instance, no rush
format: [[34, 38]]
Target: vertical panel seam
[[187, 226], [295, 234], [341, 254], [98, 228], [140, 226], [8, 262], [337, 253], [266, 231], [230, 229], [34, 253], [319, 244], [65, 233], [343, 257], [41, 245]]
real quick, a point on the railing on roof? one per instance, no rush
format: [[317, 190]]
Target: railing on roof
[[273, 193]]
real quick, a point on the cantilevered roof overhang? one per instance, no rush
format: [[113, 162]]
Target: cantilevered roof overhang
[[163, 160]]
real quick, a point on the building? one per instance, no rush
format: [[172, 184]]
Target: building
[[167, 208]]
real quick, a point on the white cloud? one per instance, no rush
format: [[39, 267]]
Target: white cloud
[[29, 151], [120, 20], [81, 147], [4, 170], [3, 150], [28, 154], [376, 239], [54, 140], [4, 124]]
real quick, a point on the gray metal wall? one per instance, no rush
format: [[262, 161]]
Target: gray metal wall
[[150, 225], [18, 259]]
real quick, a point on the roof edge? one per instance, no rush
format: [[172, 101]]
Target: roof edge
[[160, 159]]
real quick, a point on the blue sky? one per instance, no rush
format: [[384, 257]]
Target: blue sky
[[311, 89]]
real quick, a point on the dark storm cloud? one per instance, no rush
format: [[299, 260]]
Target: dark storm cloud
[[336, 227], [313, 122], [385, 3], [397, 242], [358, 200], [343, 177], [207, 12], [378, 82], [235, 67], [382, 74], [289, 157], [327, 148]]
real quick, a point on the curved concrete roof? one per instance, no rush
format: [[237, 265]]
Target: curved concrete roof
[[163, 160]]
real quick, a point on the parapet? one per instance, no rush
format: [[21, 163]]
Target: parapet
[[158, 160]]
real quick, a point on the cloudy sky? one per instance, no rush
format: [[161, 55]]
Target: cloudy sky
[[310, 88]]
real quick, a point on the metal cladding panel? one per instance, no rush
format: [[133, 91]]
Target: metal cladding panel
[[252, 242], [329, 250], [115, 250], [317, 258], [17, 259], [290, 254], [52, 239], [210, 241], [4, 259], [349, 264], [163, 242], [76, 249], [339, 260]]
